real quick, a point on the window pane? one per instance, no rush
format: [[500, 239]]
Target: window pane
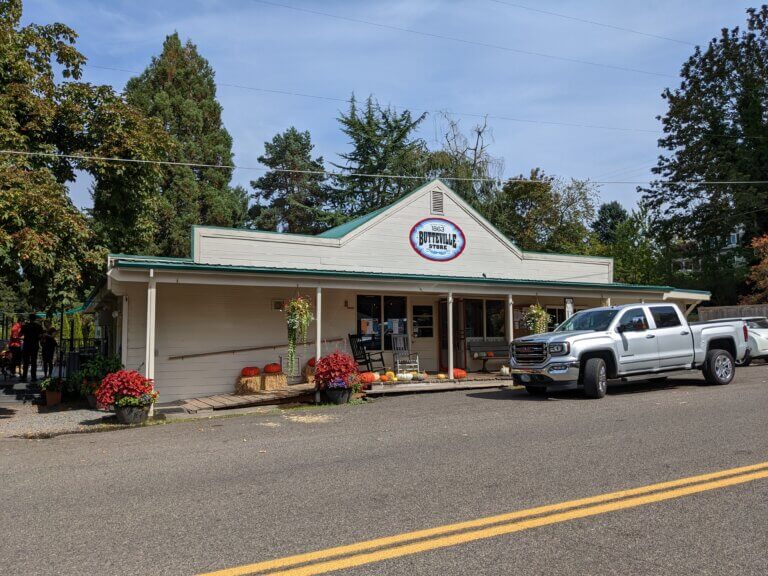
[[395, 318], [634, 320], [494, 318], [473, 318], [423, 321], [369, 321], [665, 316], [556, 317]]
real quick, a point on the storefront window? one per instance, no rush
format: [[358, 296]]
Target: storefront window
[[473, 318], [378, 317], [369, 321], [395, 318], [423, 321], [556, 316], [494, 319]]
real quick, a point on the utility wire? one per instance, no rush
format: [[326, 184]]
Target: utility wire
[[592, 22], [362, 174], [423, 108], [465, 41]]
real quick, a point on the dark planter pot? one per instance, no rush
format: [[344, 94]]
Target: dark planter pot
[[52, 397], [338, 395], [132, 414], [91, 400]]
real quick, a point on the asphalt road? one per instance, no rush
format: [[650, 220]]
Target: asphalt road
[[198, 496]]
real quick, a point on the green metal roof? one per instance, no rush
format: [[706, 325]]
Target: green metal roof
[[143, 262], [343, 229]]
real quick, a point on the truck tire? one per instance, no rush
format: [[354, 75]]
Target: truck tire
[[595, 378], [536, 390], [718, 367]]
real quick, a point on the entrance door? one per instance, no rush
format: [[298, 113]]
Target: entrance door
[[459, 336]]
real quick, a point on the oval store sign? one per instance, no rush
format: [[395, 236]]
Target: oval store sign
[[437, 239]]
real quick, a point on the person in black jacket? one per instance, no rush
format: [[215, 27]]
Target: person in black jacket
[[48, 347], [31, 331]]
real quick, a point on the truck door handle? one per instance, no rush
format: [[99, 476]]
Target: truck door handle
[[684, 333], [650, 336]]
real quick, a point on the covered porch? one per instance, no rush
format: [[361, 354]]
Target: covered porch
[[193, 327]]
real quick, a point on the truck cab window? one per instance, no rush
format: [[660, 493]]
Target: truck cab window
[[633, 320], [665, 316]]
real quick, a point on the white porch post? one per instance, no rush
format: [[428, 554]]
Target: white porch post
[[510, 318], [607, 301], [318, 323], [124, 333], [449, 307], [149, 360]]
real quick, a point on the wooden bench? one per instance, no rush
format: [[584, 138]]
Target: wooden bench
[[486, 351]]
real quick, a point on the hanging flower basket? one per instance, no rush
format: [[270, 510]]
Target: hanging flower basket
[[298, 317]]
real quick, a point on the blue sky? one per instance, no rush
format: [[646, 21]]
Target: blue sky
[[253, 44]]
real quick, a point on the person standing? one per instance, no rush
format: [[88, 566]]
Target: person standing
[[14, 346], [48, 347], [31, 332]]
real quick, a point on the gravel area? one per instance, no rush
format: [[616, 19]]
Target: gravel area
[[27, 419]]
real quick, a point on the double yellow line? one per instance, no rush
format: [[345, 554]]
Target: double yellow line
[[369, 551]]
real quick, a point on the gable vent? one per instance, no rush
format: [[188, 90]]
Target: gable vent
[[437, 202]]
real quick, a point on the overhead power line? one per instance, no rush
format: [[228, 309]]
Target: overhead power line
[[464, 40], [592, 22], [362, 174], [423, 108]]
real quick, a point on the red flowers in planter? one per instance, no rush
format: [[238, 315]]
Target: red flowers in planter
[[335, 369], [124, 384]]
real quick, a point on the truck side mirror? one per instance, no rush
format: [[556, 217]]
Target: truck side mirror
[[620, 329]]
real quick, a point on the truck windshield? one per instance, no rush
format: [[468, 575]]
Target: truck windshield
[[595, 320]]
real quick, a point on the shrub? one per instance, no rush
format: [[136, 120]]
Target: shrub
[[93, 372], [337, 370], [125, 388]]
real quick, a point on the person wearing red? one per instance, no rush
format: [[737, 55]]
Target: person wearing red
[[14, 346]]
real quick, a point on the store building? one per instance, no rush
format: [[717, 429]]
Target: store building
[[418, 266]]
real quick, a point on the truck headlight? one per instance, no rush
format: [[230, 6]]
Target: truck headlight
[[559, 348]]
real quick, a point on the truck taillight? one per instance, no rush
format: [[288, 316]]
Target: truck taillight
[[746, 333]]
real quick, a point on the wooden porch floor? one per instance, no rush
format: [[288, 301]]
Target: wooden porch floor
[[473, 380], [224, 401]]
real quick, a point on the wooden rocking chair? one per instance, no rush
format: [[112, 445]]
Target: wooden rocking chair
[[364, 358]]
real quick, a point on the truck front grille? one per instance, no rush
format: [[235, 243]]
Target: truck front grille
[[529, 353]]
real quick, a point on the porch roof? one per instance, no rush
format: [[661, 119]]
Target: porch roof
[[187, 264]]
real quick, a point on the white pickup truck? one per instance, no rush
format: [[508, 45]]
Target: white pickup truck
[[632, 341]]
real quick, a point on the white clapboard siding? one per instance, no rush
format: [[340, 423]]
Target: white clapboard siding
[[382, 245]]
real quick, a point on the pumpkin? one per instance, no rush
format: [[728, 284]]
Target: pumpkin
[[489, 354], [441, 376], [459, 373], [367, 378], [390, 374], [383, 378], [250, 371], [273, 368], [311, 362]]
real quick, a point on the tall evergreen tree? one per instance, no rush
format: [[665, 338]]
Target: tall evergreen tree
[[178, 88], [609, 217], [715, 129], [383, 142], [293, 196]]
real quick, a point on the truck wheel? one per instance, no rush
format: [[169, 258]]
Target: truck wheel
[[536, 390], [595, 378], [718, 367]]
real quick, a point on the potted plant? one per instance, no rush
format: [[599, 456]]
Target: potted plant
[[298, 316], [336, 377], [51, 388], [129, 394], [93, 372], [536, 319]]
